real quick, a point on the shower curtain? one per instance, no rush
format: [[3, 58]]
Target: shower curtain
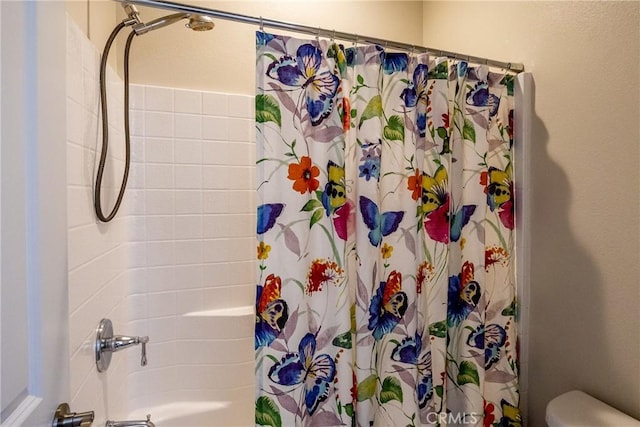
[[385, 220]]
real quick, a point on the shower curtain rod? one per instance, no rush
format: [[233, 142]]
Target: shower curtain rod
[[320, 32]]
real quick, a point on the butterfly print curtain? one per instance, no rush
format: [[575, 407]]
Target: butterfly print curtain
[[385, 221]]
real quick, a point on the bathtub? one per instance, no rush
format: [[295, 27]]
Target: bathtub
[[203, 376], [197, 414]]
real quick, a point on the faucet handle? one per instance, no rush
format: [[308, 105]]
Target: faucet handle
[[143, 342]]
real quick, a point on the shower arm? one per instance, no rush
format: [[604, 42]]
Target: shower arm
[[319, 32]]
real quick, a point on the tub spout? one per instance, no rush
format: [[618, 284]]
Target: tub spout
[[131, 423]]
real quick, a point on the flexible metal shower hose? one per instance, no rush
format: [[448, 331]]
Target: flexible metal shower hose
[[97, 202]]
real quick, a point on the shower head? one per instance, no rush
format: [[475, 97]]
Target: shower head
[[200, 23], [196, 23]]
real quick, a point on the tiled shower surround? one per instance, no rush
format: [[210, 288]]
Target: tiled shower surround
[[178, 262], [192, 246]]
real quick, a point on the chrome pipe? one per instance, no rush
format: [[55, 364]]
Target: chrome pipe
[[321, 32]]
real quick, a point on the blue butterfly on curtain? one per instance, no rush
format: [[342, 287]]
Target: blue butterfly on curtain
[[263, 38], [392, 62], [415, 95], [479, 96], [315, 372], [387, 306], [380, 224], [319, 87], [490, 337], [271, 311], [410, 351], [463, 295], [267, 215]]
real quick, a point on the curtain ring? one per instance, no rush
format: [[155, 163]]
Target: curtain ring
[[355, 41], [318, 35], [333, 37], [261, 24]]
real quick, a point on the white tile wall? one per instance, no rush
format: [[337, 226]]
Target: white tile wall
[[183, 242], [199, 216], [97, 253]]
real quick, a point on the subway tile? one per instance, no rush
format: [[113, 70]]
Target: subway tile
[[75, 122], [216, 178], [158, 124], [188, 301], [137, 281], [161, 304], [217, 297], [162, 329], [242, 201], [240, 178], [137, 149], [136, 97], [158, 150], [136, 123], [161, 278], [241, 106], [136, 226], [158, 99], [188, 177], [136, 254], [136, 177], [239, 225], [79, 206], [188, 126], [215, 128], [188, 252], [160, 253], [137, 307], [159, 228], [187, 101], [216, 201], [240, 129], [160, 354], [188, 227], [188, 276], [159, 176], [215, 104], [188, 202], [159, 202], [188, 151], [134, 200], [230, 273]]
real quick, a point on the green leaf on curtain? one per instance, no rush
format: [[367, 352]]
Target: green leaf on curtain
[[367, 388], [394, 131], [267, 109], [508, 80], [440, 72], [311, 205], [511, 310], [373, 109], [317, 216], [439, 390], [438, 329], [360, 79], [468, 373], [343, 340], [348, 408], [391, 390], [442, 133], [468, 131], [267, 413]]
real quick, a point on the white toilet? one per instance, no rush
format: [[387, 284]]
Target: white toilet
[[578, 409]]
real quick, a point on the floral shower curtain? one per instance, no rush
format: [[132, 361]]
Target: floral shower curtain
[[386, 291]]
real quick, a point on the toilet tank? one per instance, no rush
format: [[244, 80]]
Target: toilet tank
[[578, 409]]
